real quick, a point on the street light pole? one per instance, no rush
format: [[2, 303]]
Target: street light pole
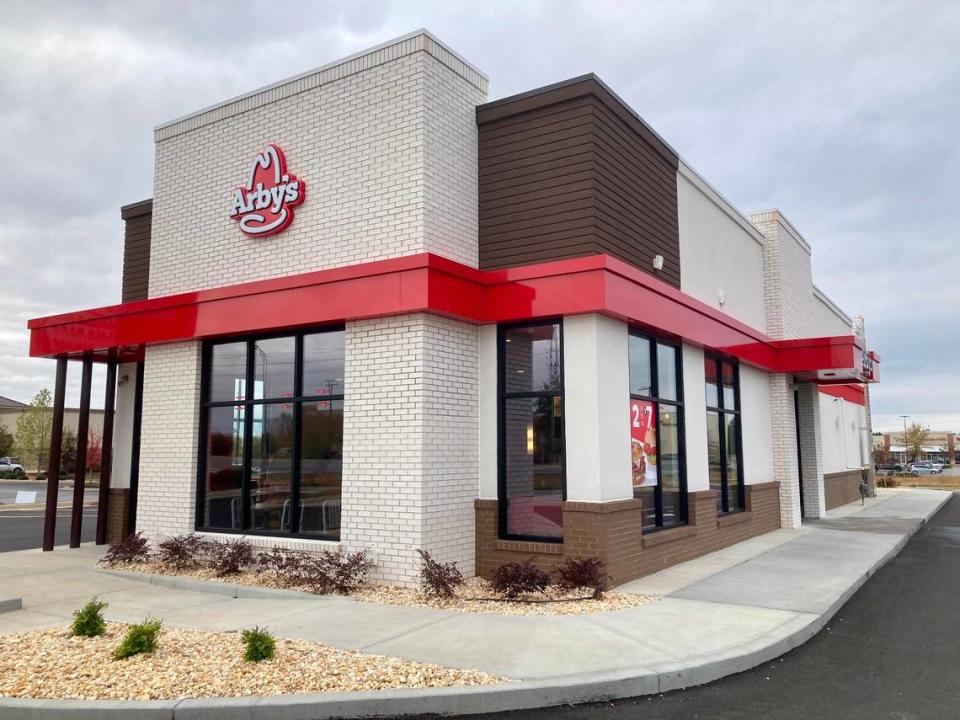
[[904, 437]]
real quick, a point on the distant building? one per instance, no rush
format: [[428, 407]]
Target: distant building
[[941, 446], [11, 409]]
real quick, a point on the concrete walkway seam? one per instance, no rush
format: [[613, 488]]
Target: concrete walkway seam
[[518, 695]]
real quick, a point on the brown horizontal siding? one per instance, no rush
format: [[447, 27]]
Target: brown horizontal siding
[[570, 170], [136, 250]]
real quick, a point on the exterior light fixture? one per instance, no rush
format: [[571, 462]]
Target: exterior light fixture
[[529, 439], [658, 262]]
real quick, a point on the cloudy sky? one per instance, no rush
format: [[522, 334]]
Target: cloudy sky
[[843, 114]]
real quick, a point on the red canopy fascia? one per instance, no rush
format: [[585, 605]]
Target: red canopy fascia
[[432, 284]]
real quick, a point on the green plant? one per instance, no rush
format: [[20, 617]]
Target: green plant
[[586, 574], [439, 579], [134, 548], [140, 638], [260, 644], [88, 621], [513, 579]]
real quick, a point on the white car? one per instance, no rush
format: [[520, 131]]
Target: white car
[[7, 464], [925, 468]]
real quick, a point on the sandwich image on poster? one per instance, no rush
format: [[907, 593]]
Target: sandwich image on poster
[[643, 443]]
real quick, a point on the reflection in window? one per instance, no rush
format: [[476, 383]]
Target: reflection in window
[[723, 433], [531, 496], [272, 462]]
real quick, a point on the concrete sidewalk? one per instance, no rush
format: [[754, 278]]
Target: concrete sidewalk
[[716, 615]]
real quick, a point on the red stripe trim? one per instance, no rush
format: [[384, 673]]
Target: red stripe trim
[[850, 392], [431, 284]]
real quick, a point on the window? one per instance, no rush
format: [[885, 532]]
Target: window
[[656, 431], [724, 447], [531, 440], [271, 435]]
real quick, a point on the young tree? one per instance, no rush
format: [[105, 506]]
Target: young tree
[[6, 441], [882, 456], [94, 452], [68, 452], [915, 438], [33, 429]]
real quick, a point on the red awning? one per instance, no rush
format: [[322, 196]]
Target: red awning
[[432, 284]]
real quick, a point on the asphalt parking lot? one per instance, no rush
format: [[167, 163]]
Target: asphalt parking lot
[[891, 653]]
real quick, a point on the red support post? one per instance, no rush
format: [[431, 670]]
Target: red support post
[[53, 462], [106, 451], [79, 475]]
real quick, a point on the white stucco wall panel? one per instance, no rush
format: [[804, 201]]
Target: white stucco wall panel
[[123, 425], [596, 397], [756, 425], [487, 406], [695, 419], [829, 319], [843, 431], [720, 254]]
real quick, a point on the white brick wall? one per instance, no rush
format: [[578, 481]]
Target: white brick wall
[[386, 142], [784, 440], [811, 450], [168, 439], [386, 145], [410, 441]]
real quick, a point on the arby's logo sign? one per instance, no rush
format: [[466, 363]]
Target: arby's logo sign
[[264, 205]]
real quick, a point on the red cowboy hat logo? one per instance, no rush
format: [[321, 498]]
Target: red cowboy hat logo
[[264, 205]]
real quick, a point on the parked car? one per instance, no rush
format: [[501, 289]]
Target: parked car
[[924, 469], [9, 468]]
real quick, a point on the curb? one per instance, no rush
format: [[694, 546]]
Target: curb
[[520, 695], [213, 587], [10, 604]]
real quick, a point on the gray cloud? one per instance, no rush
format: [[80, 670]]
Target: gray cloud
[[844, 115]]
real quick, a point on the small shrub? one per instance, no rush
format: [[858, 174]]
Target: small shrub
[[259, 643], [88, 621], [439, 579], [336, 571], [16, 474], [513, 579], [587, 574], [286, 565], [134, 548], [231, 557], [181, 551], [140, 638]]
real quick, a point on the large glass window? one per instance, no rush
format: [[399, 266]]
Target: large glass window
[[724, 448], [531, 432], [656, 431], [272, 435]]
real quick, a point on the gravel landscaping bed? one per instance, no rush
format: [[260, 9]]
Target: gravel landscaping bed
[[194, 664], [473, 596]]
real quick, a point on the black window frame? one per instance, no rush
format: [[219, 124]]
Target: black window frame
[[298, 399], [502, 397], [678, 405], [719, 361]]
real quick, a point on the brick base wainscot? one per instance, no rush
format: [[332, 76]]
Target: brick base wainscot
[[840, 488], [611, 532]]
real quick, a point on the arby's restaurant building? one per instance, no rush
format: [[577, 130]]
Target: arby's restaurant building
[[365, 307]]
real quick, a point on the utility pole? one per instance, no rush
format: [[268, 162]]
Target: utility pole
[[904, 438]]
